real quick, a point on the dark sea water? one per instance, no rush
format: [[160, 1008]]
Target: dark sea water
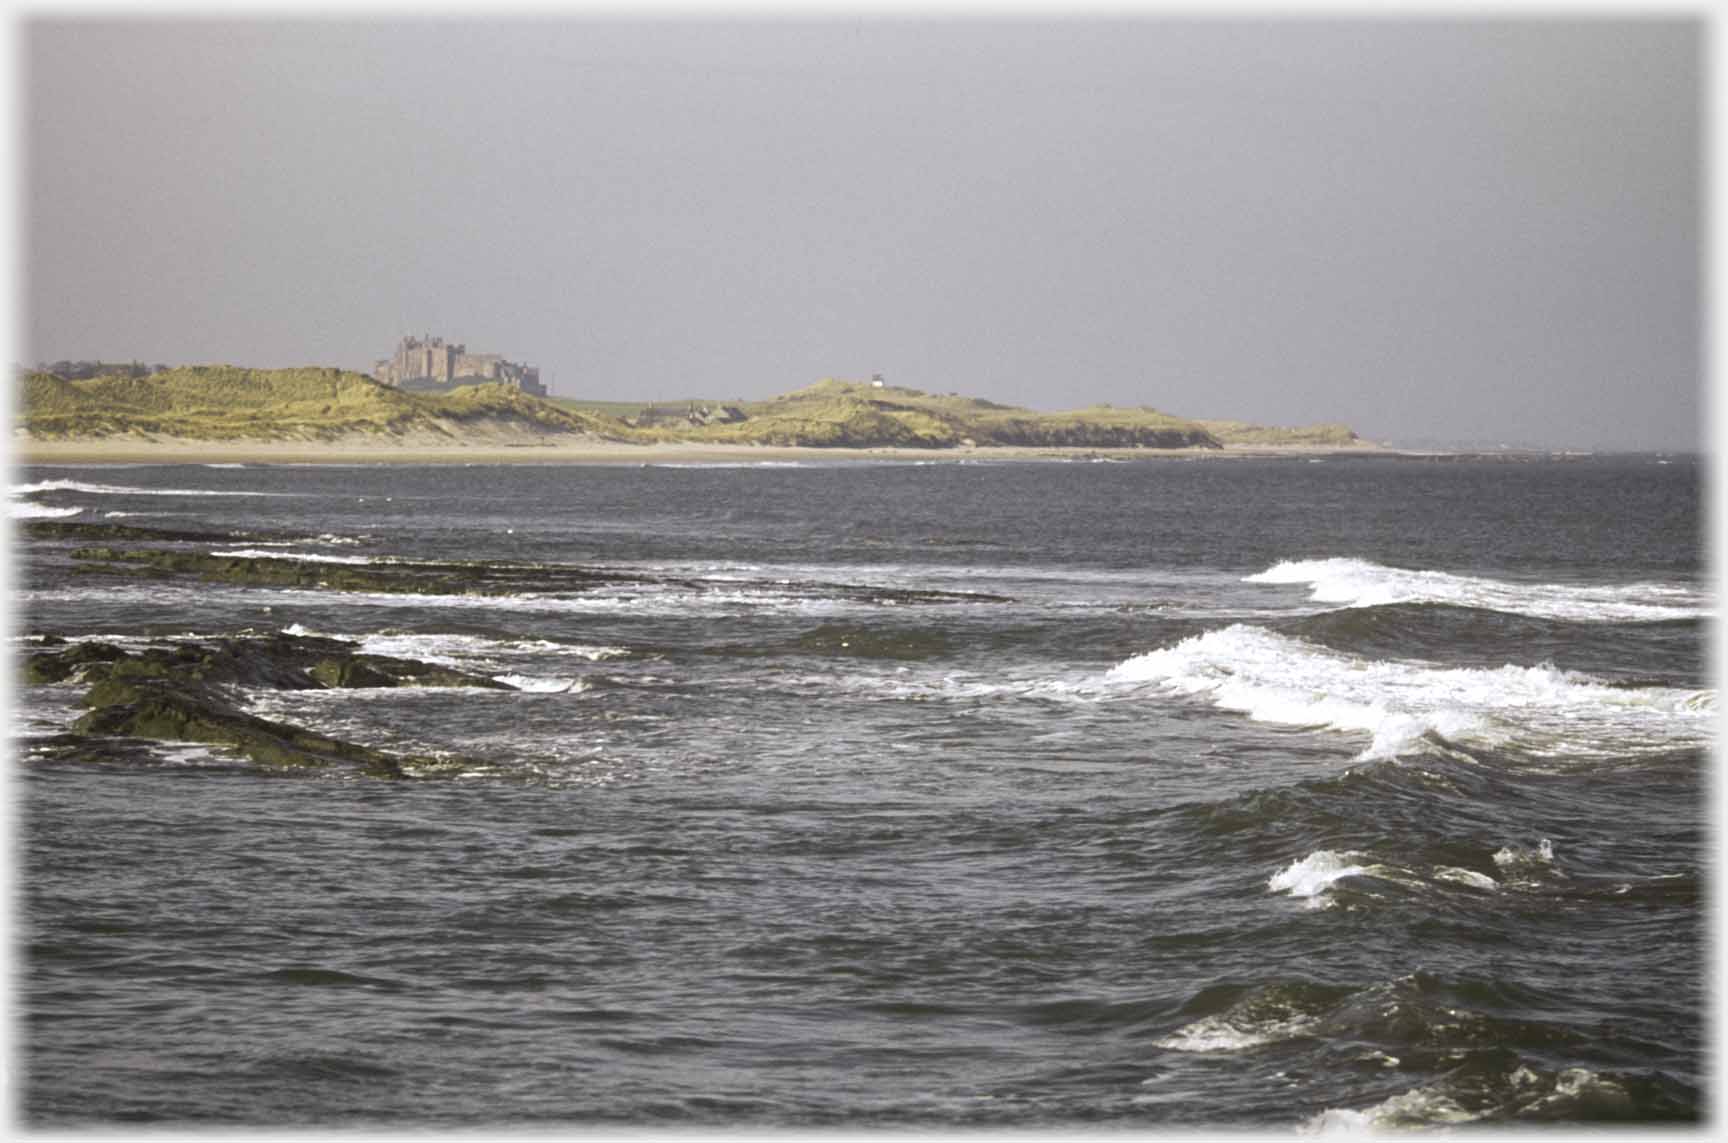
[[1274, 794]]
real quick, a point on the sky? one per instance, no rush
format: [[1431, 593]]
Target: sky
[[1433, 229]]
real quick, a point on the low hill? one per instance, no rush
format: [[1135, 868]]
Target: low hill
[[833, 413], [1243, 433], [225, 402]]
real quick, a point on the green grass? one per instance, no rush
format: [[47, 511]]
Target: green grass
[[834, 412], [1242, 433], [224, 402]]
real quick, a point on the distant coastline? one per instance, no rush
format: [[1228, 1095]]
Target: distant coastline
[[107, 414], [117, 450], [158, 410]]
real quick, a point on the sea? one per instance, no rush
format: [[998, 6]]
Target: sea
[[1294, 795]]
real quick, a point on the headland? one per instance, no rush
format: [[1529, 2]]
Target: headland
[[229, 414]]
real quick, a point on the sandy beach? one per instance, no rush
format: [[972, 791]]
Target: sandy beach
[[130, 450]]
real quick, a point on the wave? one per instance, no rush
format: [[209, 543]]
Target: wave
[[1315, 877], [1492, 1065], [634, 601], [129, 490], [1223, 1034], [534, 684], [25, 510], [1541, 711], [1530, 1095], [452, 650], [303, 557], [1362, 583]]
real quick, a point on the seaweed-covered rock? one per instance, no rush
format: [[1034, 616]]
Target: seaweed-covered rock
[[181, 692], [58, 666], [349, 673], [197, 714], [275, 661], [90, 531], [385, 671], [449, 577]]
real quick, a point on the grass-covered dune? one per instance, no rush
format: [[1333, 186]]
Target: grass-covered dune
[[225, 402], [1243, 433], [857, 415]]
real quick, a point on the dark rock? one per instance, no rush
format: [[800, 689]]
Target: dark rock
[[72, 530], [58, 666], [194, 714], [451, 577], [177, 693], [349, 673], [275, 661]]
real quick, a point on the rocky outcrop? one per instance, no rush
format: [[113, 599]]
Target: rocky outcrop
[[181, 713], [186, 692], [74, 530], [433, 577]]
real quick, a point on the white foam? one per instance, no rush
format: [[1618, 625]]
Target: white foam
[[457, 650], [305, 557], [659, 600], [534, 685], [1414, 1108], [1515, 857], [1575, 1085], [630, 600], [1363, 583], [1465, 877], [1313, 875], [25, 510], [128, 490], [1429, 1106], [124, 638], [1219, 1034], [178, 754], [1540, 711]]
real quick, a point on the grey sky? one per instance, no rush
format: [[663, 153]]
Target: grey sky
[[1428, 229]]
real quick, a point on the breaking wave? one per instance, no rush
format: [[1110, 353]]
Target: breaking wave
[[453, 650], [1521, 1095], [25, 510], [1541, 711], [1362, 583], [129, 490], [1315, 877], [538, 685], [305, 557]]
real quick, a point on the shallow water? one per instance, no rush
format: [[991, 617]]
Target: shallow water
[[1249, 793]]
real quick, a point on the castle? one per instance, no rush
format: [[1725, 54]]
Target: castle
[[426, 363]]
